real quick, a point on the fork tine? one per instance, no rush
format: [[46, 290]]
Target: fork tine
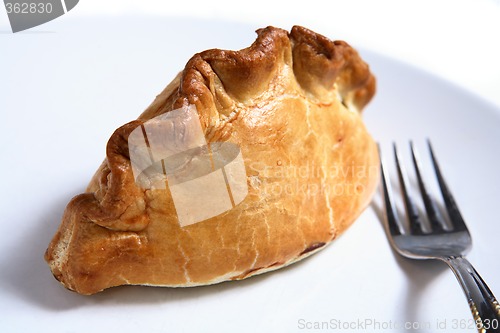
[[435, 218], [392, 220], [411, 209], [449, 200]]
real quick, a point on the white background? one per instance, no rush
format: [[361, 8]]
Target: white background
[[66, 85]]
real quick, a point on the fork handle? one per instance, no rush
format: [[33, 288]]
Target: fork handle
[[483, 304]]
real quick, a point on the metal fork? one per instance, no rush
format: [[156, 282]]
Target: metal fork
[[442, 243]]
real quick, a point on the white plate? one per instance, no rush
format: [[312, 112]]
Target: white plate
[[62, 94]]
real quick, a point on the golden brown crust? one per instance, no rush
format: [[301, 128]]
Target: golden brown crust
[[291, 102]]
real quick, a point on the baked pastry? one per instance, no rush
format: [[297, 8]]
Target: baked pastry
[[282, 141]]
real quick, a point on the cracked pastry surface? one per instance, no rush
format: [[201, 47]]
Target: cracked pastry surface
[[291, 102]]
